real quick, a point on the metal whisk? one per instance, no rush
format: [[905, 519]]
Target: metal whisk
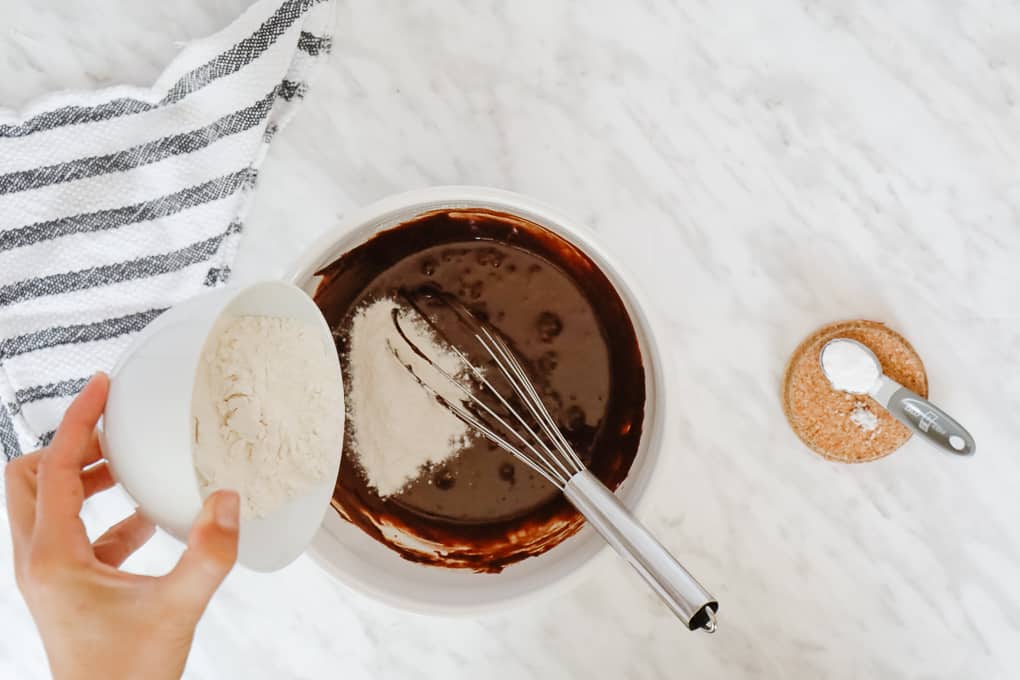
[[519, 423]]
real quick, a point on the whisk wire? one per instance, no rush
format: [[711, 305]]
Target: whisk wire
[[522, 386], [471, 419], [545, 418], [462, 316], [556, 468], [543, 452]]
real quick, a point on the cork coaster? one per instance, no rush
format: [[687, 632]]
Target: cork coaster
[[849, 428]]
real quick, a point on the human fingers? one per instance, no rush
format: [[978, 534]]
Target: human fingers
[[20, 487], [211, 553], [60, 491], [76, 433], [95, 479], [93, 452], [122, 539]]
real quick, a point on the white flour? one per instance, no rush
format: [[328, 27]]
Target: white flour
[[849, 367], [397, 427], [267, 411]]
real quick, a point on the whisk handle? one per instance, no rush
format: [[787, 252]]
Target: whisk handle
[[685, 597]]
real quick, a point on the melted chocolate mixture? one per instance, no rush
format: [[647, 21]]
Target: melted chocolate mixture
[[483, 509]]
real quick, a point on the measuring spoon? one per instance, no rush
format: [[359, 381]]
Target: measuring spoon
[[914, 411]]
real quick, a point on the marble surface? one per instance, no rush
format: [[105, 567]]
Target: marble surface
[[761, 172]]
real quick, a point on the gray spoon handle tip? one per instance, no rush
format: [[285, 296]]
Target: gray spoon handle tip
[[924, 418]]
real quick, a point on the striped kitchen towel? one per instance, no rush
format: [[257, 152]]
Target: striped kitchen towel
[[115, 205]]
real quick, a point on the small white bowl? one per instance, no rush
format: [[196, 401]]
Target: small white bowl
[[365, 564], [147, 427]]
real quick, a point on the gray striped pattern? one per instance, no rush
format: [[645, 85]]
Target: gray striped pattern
[[241, 53], [140, 268], [45, 439], [173, 203], [228, 62], [76, 333], [290, 89], [216, 276], [76, 115], [57, 253], [64, 388], [8, 440], [143, 154], [315, 44]]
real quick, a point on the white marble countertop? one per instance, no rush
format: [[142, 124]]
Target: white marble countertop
[[760, 172]]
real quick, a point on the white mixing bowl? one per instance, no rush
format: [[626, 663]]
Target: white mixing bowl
[[363, 563]]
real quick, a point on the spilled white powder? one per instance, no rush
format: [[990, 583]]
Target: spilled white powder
[[863, 417], [849, 367], [397, 427], [267, 411]]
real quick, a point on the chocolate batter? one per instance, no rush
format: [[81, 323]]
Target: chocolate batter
[[483, 509]]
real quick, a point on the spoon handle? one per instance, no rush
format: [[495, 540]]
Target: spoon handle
[[924, 418]]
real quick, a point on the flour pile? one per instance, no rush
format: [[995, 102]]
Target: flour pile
[[267, 409], [398, 428], [863, 417]]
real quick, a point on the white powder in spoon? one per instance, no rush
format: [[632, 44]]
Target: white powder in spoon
[[849, 366], [267, 409], [398, 427]]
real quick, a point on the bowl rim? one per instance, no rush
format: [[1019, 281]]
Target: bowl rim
[[361, 224]]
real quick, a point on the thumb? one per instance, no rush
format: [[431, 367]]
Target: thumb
[[211, 553]]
